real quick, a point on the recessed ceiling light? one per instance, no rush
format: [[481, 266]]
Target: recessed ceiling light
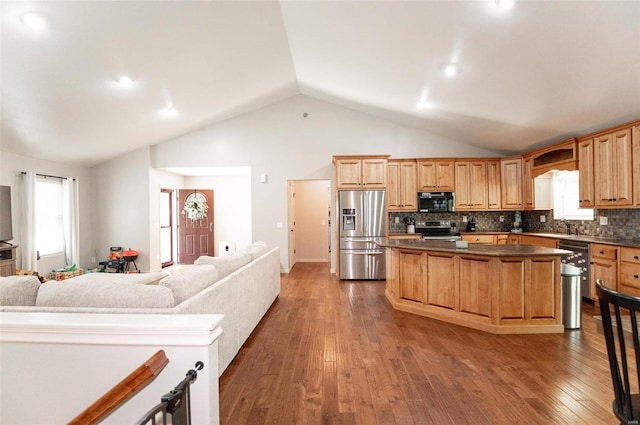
[[124, 81], [34, 20], [450, 70], [169, 112], [505, 4]]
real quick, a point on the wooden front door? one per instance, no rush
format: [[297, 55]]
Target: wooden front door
[[195, 229]]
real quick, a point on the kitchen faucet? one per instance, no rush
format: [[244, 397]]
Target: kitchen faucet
[[567, 225]]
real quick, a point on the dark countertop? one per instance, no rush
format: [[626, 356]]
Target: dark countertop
[[487, 250], [630, 242], [627, 242]]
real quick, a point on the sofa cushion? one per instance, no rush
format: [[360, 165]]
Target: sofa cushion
[[19, 290], [103, 294], [256, 249], [227, 264], [189, 282], [142, 278]]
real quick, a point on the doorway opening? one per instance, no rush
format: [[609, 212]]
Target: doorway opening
[[166, 228], [309, 221]]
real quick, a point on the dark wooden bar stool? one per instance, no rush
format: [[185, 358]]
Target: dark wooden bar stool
[[621, 333]]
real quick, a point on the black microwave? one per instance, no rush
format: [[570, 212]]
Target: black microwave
[[429, 202]]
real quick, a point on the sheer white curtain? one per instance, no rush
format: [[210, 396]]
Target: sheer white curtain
[[29, 255], [71, 220]]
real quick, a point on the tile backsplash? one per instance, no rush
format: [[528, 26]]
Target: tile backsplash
[[622, 223]]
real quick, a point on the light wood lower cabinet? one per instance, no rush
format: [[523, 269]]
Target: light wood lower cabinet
[[629, 282], [502, 295], [406, 236], [539, 241], [604, 266], [484, 238]]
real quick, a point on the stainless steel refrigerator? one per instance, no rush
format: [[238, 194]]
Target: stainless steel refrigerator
[[363, 215]]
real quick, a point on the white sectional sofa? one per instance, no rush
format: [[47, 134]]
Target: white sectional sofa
[[241, 286]]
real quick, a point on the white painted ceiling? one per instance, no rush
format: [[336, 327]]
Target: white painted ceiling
[[538, 73]]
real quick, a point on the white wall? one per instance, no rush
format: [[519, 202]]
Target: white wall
[[11, 165], [231, 206], [122, 213], [279, 141]]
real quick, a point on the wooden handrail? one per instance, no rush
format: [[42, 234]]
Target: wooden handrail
[[126, 388]]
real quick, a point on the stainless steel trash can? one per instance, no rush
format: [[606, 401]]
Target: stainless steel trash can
[[571, 297]]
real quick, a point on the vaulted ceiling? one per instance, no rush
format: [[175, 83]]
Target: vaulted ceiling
[[537, 73]]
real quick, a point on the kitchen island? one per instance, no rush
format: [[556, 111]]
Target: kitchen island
[[502, 289]]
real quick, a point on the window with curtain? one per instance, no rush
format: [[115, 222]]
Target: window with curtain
[[49, 227]]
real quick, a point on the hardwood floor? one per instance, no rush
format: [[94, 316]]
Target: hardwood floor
[[332, 352]]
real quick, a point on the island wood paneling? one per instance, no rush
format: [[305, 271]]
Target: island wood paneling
[[476, 281], [486, 287], [511, 290], [412, 275], [542, 297], [442, 273]]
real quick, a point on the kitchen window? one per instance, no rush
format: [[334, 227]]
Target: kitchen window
[[566, 197]]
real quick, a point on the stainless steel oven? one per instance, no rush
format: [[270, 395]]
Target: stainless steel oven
[[437, 230]]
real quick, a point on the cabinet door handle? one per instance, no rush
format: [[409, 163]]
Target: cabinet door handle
[[602, 252], [635, 257], [590, 262], [636, 276]]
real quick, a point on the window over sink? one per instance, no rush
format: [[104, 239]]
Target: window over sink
[[565, 197]]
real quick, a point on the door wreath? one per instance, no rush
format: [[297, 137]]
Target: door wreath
[[195, 207]]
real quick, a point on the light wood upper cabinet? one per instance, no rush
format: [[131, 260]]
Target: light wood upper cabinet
[[471, 185], [528, 186], [635, 150], [493, 185], [585, 169], [511, 183], [402, 186], [435, 175], [613, 170], [560, 156], [368, 172]]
